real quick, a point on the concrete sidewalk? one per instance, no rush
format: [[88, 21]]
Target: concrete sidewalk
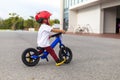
[[109, 35]]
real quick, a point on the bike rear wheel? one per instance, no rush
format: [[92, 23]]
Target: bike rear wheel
[[27, 59], [67, 53]]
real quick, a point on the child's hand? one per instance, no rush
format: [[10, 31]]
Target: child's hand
[[58, 30], [63, 31], [50, 36]]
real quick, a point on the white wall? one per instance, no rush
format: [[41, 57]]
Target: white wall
[[110, 3], [72, 20], [91, 16]]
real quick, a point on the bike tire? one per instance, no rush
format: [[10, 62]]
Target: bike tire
[[26, 57], [67, 53]]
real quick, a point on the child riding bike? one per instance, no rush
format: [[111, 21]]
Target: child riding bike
[[43, 39]]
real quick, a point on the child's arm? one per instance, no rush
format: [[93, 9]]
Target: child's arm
[[57, 30]]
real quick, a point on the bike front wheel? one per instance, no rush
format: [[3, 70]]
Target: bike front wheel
[[65, 53], [27, 57]]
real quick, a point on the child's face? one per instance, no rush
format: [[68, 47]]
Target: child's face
[[46, 21], [49, 20]]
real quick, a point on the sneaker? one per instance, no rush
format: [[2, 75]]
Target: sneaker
[[60, 62]]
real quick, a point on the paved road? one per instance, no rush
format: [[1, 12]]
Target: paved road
[[94, 59]]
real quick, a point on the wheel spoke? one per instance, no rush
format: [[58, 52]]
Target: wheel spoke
[[29, 54], [29, 57], [29, 60], [66, 54]]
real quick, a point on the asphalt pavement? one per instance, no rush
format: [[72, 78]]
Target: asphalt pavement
[[94, 58]]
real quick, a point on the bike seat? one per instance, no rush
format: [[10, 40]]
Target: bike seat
[[40, 48]]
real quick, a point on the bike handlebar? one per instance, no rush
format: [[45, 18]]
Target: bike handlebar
[[56, 35]]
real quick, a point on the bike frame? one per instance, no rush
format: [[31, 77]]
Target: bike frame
[[45, 53]]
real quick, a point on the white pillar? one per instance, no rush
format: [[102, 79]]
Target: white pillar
[[61, 13]]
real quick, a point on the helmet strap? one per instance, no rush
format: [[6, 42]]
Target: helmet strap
[[46, 21]]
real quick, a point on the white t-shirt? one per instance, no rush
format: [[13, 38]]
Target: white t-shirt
[[43, 35]]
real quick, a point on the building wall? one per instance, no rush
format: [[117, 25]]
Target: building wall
[[88, 17], [110, 3], [110, 15], [100, 16], [72, 20]]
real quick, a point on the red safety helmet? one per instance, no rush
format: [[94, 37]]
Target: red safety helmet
[[42, 15]]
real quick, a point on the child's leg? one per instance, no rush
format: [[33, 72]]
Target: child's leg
[[52, 53]]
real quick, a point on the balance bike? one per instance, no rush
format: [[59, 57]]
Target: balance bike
[[31, 56]]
